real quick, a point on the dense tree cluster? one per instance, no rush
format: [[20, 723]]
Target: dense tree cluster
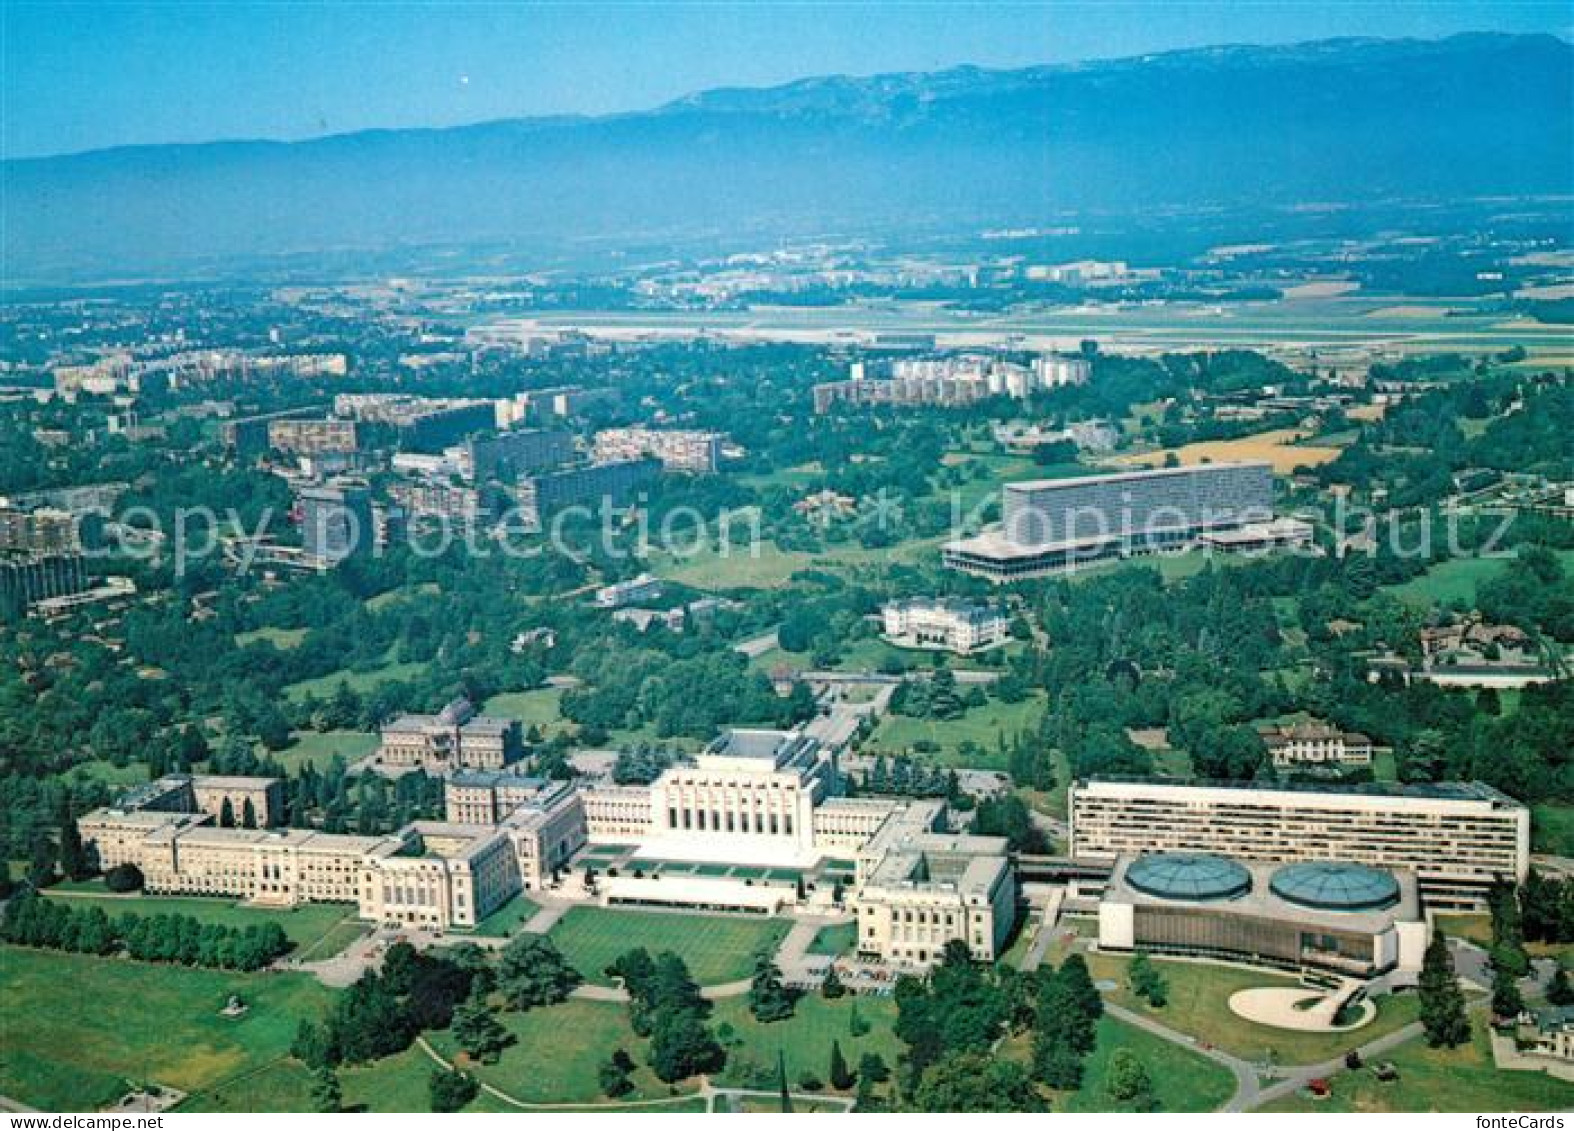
[[665, 1005], [31, 920]]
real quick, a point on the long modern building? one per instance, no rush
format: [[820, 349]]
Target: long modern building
[[679, 449], [1051, 525], [1458, 837]]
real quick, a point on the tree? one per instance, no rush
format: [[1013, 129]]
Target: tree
[[326, 1093], [1560, 991], [682, 1046], [1146, 981], [7, 884], [975, 1081], [832, 987], [1442, 1001], [124, 878], [615, 1073], [1507, 1002], [533, 972], [1127, 1082], [73, 857], [840, 1076], [477, 1030], [450, 1089], [769, 999], [226, 815], [781, 1083], [311, 1046], [248, 814]]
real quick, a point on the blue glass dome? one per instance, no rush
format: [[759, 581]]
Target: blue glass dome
[[1193, 878], [1331, 885]]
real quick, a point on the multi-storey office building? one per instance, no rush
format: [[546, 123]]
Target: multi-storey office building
[[677, 449], [1054, 524], [919, 889], [1458, 838]]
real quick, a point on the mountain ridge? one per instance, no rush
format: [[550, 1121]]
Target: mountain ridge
[[1232, 126]]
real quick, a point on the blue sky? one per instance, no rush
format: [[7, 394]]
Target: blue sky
[[93, 73]]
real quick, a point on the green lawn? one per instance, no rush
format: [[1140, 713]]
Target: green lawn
[[1456, 579], [1447, 1080], [717, 948], [1552, 829], [323, 687], [395, 1084], [75, 1027], [307, 926], [317, 748], [507, 918], [558, 1050], [281, 638], [116, 777], [538, 708], [984, 726], [1199, 1005], [837, 939], [804, 1039], [1182, 1080]]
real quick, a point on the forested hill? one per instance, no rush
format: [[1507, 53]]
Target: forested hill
[[1342, 120]]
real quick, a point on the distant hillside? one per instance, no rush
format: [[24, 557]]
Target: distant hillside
[[1343, 120]]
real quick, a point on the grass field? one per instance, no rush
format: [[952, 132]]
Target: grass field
[[506, 919], [836, 939], [558, 1050], [1456, 579], [537, 708], [1552, 829], [1182, 1080], [395, 1084], [1199, 1005], [1450, 1080], [1284, 448], [317, 748], [324, 686], [281, 638], [76, 1027], [804, 1039], [307, 925], [984, 726], [718, 948]]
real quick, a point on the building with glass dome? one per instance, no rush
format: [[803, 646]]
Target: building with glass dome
[[1330, 916]]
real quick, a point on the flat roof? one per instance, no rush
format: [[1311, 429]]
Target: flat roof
[[1125, 476], [1428, 791]]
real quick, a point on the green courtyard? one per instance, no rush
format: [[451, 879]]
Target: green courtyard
[[717, 948]]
